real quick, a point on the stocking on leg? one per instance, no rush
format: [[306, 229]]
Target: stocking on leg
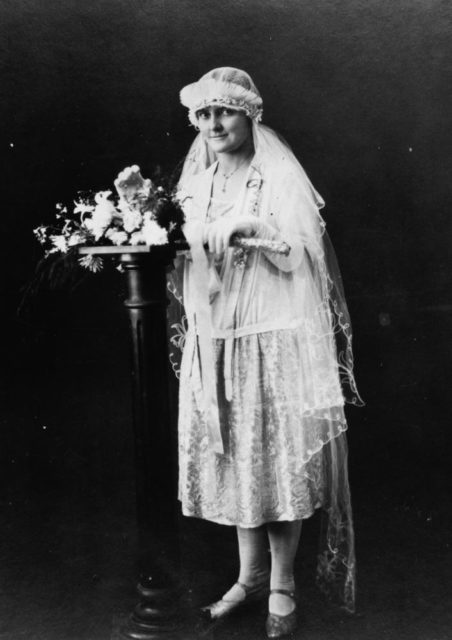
[[253, 552], [254, 566], [284, 538], [253, 575]]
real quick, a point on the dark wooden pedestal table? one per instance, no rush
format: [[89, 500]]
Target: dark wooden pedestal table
[[157, 614]]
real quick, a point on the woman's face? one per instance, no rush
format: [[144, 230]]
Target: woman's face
[[225, 130]]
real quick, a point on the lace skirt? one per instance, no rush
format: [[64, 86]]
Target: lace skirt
[[261, 477]]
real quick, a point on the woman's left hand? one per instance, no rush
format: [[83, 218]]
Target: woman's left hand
[[217, 235]]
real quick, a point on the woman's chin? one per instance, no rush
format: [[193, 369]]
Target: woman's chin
[[219, 146]]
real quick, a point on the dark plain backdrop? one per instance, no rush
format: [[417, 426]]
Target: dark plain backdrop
[[361, 91]]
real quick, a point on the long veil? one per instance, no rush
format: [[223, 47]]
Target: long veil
[[326, 334]]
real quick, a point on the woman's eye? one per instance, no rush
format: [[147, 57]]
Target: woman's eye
[[202, 115], [228, 112]]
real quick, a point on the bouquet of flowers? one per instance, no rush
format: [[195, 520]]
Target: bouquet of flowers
[[139, 213]]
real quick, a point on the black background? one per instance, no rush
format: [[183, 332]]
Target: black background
[[360, 90]]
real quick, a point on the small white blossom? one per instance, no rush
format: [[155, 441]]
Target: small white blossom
[[102, 215], [101, 196], [153, 233], [59, 243], [116, 236], [83, 207], [137, 238], [75, 239], [123, 206], [93, 263], [132, 220], [40, 234]]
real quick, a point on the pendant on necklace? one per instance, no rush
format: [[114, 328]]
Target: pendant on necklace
[[226, 176]]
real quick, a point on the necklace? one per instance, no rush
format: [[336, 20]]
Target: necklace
[[226, 176]]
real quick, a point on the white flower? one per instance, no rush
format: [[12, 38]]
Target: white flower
[[40, 234], [123, 206], [83, 207], [74, 239], [101, 196], [62, 210], [131, 185], [153, 233], [93, 263], [59, 243], [116, 236], [102, 215], [132, 220], [137, 238]]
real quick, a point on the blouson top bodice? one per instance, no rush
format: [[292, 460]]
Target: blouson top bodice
[[254, 291], [251, 291]]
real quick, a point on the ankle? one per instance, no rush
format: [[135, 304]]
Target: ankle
[[254, 578], [286, 583]]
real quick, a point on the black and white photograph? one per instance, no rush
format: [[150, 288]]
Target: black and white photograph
[[226, 302]]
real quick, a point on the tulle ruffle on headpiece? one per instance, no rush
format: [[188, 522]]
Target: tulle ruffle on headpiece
[[224, 86]]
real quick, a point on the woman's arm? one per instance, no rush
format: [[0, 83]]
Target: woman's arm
[[295, 219]]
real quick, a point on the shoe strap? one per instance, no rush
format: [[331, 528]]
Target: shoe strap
[[250, 588], [243, 586], [284, 592]]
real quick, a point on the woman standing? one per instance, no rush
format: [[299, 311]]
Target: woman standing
[[261, 419]]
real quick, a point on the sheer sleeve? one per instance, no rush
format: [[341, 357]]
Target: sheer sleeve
[[297, 221]]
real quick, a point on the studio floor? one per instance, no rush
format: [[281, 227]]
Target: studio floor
[[69, 568], [69, 542]]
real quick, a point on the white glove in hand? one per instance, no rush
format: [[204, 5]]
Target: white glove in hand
[[217, 235]]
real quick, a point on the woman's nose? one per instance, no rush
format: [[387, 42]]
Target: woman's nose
[[215, 123]]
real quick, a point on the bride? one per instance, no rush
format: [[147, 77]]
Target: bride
[[267, 363]]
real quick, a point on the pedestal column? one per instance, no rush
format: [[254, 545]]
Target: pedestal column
[[157, 614], [146, 304]]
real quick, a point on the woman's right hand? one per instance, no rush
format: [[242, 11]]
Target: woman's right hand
[[217, 235]]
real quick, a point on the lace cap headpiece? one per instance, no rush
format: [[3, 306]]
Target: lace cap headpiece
[[224, 86]]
